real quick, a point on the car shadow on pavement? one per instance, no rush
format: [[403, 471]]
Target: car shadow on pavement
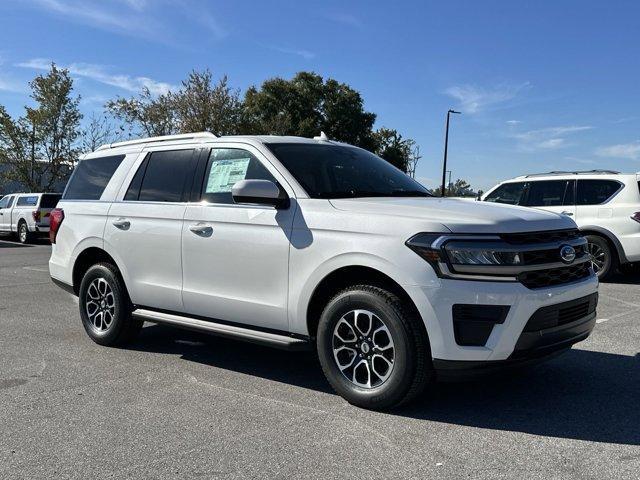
[[630, 276], [581, 395]]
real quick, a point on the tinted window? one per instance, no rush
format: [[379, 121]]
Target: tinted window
[[226, 167], [595, 192], [133, 192], [509, 193], [333, 171], [4, 203], [49, 200], [165, 177], [30, 201], [546, 193], [90, 178]]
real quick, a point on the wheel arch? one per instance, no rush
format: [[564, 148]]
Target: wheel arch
[[85, 259], [609, 237], [343, 277]]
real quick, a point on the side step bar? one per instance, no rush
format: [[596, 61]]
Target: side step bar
[[281, 341]]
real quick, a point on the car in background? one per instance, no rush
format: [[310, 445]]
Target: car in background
[[27, 214], [604, 204]]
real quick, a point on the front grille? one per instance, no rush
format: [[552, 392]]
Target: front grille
[[538, 257], [562, 313], [555, 276], [541, 237]]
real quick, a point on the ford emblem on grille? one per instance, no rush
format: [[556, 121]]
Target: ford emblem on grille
[[567, 254]]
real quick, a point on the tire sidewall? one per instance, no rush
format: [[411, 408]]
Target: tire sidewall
[[396, 386], [121, 302], [23, 227]]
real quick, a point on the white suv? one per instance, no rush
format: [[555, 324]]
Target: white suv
[[301, 243], [604, 204]]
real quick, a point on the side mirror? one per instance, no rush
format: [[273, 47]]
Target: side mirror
[[260, 192]]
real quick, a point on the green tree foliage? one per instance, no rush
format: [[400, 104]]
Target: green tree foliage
[[395, 149], [39, 148], [459, 188], [154, 116], [306, 105]]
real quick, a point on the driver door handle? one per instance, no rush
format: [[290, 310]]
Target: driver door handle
[[568, 214], [201, 229], [122, 224]]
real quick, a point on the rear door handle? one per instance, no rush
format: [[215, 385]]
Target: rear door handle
[[122, 224], [568, 214], [201, 229]]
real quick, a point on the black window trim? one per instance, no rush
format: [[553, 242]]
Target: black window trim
[[621, 186]]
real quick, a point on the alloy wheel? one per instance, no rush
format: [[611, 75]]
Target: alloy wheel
[[363, 348], [100, 305], [598, 257]]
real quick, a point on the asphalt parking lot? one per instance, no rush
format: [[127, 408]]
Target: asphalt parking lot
[[180, 405]]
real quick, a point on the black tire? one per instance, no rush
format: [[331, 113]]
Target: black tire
[[23, 233], [606, 261], [122, 328], [412, 368]]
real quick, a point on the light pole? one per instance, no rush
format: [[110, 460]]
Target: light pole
[[446, 144]]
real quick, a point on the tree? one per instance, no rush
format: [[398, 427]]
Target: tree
[[396, 150], [39, 148], [154, 116], [459, 188], [306, 105], [201, 106], [99, 131], [414, 158]]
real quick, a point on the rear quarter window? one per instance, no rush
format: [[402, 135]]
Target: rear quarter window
[[90, 177], [596, 192]]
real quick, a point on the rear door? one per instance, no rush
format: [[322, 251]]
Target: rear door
[[144, 228], [552, 195]]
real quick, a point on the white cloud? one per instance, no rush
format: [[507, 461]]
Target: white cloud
[[473, 99], [629, 151], [513, 122], [99, 74], [550, 138], [306, 54], [346, 19]]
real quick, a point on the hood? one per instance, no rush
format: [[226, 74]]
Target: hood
[[459, 216]]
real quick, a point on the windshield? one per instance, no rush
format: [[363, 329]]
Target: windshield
[[336, 171]]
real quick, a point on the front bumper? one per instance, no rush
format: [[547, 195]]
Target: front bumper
[[435, 305]]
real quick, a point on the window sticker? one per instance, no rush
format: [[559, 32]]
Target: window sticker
[[225, 174]]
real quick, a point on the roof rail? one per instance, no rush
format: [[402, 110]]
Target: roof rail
[[165, 138], [575, 172]]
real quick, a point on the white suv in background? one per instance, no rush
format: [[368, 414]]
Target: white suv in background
[[310, 243], [604, 204]]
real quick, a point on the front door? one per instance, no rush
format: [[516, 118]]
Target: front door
[[236, 257], [5, 213]]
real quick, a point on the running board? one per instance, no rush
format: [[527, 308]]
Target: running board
[[284, 342]]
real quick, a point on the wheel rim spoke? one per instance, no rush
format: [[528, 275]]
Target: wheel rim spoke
[[363, 348], [100, 305]]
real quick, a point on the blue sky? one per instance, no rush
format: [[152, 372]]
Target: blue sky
[[543, 85]]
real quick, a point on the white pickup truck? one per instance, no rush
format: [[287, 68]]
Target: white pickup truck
[[27, 214]]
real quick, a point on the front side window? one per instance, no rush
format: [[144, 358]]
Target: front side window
[[165, 177], [4, 202], [335, 171], [30, 201], [90, 177], [508, 193], [226, 167], [548, 193], [595, 192]]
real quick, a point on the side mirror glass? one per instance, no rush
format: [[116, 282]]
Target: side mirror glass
[[259, 192]]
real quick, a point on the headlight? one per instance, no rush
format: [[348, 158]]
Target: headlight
[[465, 253]]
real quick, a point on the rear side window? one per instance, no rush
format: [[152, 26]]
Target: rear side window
[[30, 201], [509, 193], [225, 168], [546, 193], [49, 200], [165, 177], [90, 177], [595, 192]]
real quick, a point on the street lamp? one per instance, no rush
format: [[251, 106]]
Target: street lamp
[[446, 144]]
